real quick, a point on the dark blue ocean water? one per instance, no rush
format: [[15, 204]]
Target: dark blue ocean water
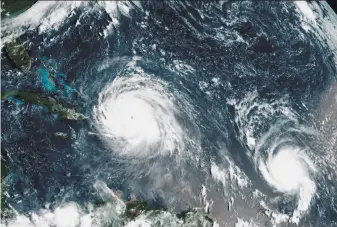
[[274, 58]]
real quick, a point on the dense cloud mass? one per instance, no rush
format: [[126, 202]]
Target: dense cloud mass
[[169, 113]]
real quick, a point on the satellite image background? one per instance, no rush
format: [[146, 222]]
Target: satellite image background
[[168, 113]]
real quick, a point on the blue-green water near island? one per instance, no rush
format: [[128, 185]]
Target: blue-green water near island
[[169, 113]]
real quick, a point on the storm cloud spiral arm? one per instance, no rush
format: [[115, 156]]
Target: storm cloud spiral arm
[[287, 168], [137, 115], [169, 113]]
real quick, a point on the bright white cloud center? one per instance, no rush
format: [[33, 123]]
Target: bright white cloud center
[[289, 171], [137, 115]]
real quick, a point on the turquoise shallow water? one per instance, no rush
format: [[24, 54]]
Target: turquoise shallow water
[[47, 84], [185, 103]]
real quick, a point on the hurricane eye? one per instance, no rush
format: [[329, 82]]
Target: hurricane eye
[[142, 113]]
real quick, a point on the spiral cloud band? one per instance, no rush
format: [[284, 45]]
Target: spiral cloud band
[[288, 169], [137, 115]]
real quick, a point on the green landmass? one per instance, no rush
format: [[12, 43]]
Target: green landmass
[[5, 212], [134, 208], [18, 54], [11, 8], [61, 135], [52, 104]]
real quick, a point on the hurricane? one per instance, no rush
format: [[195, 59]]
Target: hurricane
[[168, 113], [287, 168], [137, 113]]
